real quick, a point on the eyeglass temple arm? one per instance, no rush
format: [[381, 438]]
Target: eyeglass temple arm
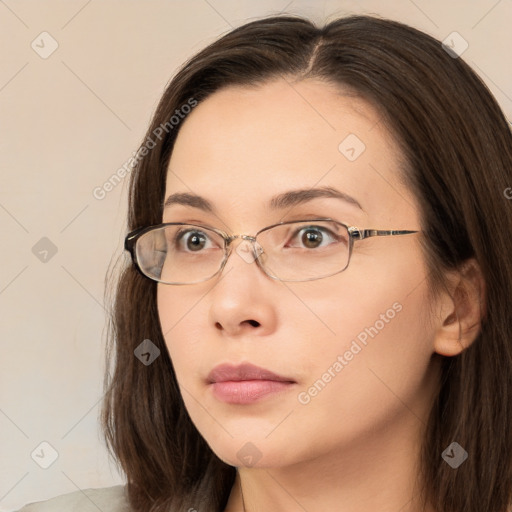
[[359, 234]]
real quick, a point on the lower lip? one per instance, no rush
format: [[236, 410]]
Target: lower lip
[[247, 391]]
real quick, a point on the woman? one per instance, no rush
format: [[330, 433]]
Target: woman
[[317, 312]]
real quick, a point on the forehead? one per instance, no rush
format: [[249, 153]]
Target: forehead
[[243, 145]]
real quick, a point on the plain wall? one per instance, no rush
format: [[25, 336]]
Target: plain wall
[[67, 123]]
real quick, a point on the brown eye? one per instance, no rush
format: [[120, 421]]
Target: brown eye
[[191, 241], [312, 238]]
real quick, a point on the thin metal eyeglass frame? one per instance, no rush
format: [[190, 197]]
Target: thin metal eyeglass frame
[[354, 232]]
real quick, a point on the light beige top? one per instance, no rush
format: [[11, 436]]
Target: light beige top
[[109, 499]]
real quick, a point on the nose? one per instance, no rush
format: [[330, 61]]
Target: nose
[[243, 300]]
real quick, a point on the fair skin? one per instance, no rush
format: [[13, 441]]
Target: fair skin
[[355, 445]]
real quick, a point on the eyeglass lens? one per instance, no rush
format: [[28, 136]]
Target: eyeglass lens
[[291, 251]]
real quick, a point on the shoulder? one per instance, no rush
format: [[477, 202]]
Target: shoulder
[[112, 499]]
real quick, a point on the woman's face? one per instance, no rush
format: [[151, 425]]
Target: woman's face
[[357, 345]]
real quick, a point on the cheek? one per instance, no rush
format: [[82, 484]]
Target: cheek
[[183, 324], [385, 299], [375, 374], [376, 364]]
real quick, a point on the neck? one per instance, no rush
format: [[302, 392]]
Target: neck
[[377, 473]]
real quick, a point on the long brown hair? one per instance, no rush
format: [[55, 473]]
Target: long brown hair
[[457, 146]]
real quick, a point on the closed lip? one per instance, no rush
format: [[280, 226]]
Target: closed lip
[[244, 371]]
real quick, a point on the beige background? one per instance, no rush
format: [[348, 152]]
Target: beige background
[[68, 122]]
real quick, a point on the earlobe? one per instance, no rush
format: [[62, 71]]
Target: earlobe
[[462, 309]]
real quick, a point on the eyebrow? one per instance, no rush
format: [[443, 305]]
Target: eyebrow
[[278, 202]]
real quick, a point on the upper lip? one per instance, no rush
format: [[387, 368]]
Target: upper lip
[[244, 371]]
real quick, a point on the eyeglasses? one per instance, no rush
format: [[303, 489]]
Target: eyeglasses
[[301, 250]]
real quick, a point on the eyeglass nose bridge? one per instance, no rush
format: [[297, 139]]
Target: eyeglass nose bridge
[[248, 249]]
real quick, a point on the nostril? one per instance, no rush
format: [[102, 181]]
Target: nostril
[[253, 323]]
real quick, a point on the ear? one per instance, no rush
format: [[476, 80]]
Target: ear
[[462, 309]]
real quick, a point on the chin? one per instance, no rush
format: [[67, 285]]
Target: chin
[[242, 452]]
